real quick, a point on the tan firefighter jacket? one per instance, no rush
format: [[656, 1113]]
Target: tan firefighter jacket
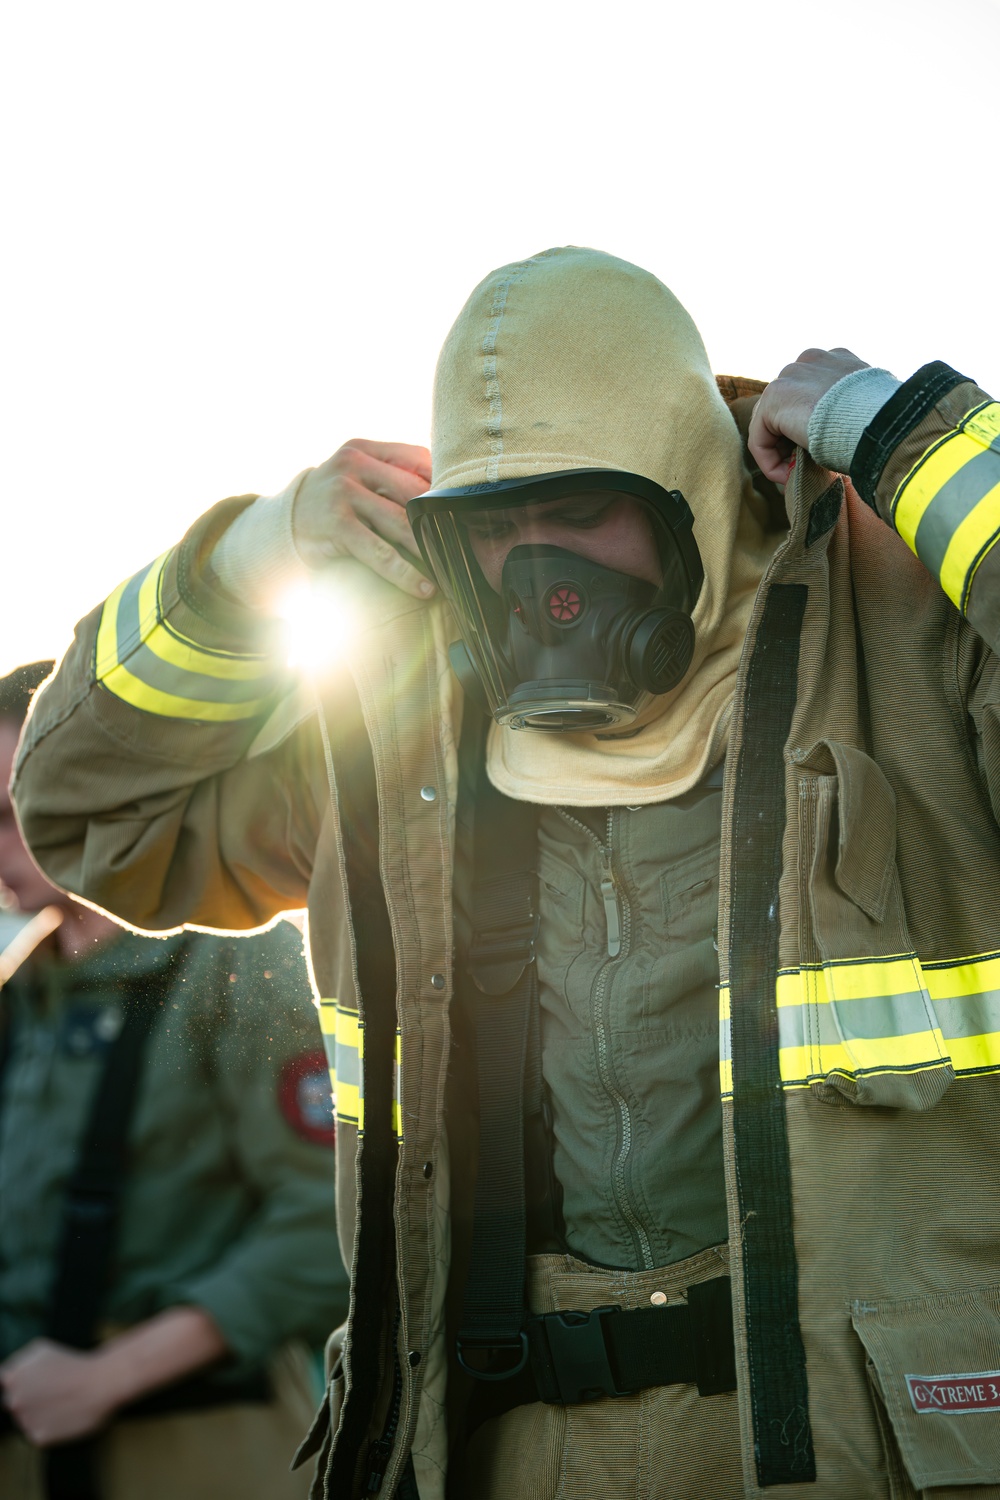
[[171, 773]]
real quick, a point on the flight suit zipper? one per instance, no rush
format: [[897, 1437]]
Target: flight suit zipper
[[618, 923]]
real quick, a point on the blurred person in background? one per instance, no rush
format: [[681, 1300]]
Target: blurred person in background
[[721, 745], [168, 1250]]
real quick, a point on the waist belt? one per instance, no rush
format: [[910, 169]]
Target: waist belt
[[567, 1358], [577, 1356]]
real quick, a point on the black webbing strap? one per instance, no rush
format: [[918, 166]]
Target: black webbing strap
[[90, 1216], [504, 996], [353, 785], [779, 1389], [577, 1356]]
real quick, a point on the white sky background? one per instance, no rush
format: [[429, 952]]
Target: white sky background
[[234, 234]]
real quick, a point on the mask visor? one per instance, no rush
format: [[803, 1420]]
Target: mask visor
[[543, 576]]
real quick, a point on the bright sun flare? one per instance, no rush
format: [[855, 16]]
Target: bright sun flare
[[319, 625]]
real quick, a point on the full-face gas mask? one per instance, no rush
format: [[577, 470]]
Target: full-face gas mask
[[573, 593]]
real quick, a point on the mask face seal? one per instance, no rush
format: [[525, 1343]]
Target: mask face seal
[[573, 593]]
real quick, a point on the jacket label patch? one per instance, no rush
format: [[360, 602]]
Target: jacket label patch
[[957, 1394]]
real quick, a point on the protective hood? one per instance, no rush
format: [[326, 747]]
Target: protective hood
[[574, 359]]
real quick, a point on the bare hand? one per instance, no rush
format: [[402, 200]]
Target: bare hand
[[55, 1394], [780, 421], [353, 506]]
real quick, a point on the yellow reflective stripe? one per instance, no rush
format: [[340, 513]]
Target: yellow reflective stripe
[[149, 597], [962, 995], [349, 1099], [725, 1043], [975, 1054], [984, 425], [121, 682], [888, 1054], [973, 540], [954, 488], [107, 632], [172, 648], [346, 1045], [823, 984], [965, 976], [931, 474]]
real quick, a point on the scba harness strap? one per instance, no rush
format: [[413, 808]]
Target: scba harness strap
[[566, 1357]]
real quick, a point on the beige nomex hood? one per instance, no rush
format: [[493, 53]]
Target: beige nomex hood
[[574, 359]]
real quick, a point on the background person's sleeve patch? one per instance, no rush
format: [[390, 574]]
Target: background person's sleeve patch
[[305, 1098]]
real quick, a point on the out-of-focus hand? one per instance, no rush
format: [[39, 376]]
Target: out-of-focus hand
[[56, 1394], [780, 421], [353, 506]]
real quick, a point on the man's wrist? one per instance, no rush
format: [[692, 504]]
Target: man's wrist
[[841, 415], [255, 560]]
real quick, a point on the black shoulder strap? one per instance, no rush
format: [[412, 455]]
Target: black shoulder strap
[[504, 996], [94, 1191], [90, 1216]]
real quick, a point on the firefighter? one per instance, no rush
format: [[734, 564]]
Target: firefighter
[[157, 1303], [636, 726]]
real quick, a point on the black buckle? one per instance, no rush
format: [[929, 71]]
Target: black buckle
[[571, 1357], [499, 956]]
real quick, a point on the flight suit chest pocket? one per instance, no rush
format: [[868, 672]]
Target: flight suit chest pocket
[[566, 941], [857, 1022], [934, 1371]]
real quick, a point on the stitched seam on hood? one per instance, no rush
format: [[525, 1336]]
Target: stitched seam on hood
[[494, 423]]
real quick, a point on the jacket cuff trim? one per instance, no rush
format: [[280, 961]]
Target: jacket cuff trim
[[898, 417], [145, 660]]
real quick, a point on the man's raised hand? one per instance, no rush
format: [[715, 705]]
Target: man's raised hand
[[780, 421], [354, 506]]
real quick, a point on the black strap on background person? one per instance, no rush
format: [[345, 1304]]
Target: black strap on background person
[[90, 1217]]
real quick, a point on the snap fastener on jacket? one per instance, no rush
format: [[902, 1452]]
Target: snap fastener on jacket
[[414, 1358], [428, 1170], [437, 981], [428, 793], [658, 1298]]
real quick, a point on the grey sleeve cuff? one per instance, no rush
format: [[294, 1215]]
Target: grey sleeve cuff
[[255, 560], [841, 416]]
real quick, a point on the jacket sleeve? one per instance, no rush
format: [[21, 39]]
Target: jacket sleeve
[[133, 783], [929, 463], [283, 1276]]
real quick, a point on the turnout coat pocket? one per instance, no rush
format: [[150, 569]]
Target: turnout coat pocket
[[934, 1366], [858, 1010]]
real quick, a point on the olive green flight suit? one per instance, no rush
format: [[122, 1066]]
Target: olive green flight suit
[[628, 989], [229, 1199]]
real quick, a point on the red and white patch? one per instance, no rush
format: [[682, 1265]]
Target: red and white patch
[[305, 1098], [956, 1394]]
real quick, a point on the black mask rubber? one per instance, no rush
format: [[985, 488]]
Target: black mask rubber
[[576, 633]]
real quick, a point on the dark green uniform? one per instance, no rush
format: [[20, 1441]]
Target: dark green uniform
[[229, 1200]]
